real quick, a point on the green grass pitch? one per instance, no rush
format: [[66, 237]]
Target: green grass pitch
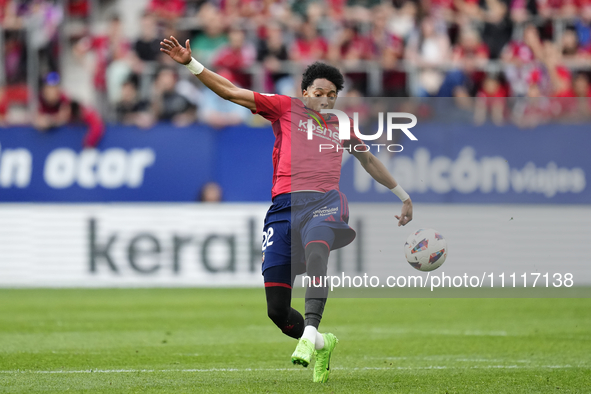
[[221, 341]]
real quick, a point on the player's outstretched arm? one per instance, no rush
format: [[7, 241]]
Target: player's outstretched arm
[[378, 171], [218, 84]]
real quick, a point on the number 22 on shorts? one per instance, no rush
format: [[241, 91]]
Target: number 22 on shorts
[[267, 238]]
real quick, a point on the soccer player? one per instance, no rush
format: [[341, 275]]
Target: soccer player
[[309, 215]]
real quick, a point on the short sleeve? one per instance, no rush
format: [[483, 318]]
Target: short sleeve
[[271, 106]]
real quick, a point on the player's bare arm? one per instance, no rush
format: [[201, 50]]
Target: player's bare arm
[[218, 84], [378, 171]]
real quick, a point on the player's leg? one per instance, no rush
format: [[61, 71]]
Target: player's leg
[[317, 252], [278, 285], [326, 231], [277, 272]]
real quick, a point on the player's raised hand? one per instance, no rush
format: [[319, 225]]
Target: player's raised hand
[[177, 52], [406, 214]]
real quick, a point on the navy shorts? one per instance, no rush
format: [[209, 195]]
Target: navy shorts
[[292, 222]]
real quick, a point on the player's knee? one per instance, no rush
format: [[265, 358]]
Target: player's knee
[[317, 258], [278, 304], [278, 313]]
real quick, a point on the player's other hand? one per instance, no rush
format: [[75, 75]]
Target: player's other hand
[[406, 214], [177, 52]]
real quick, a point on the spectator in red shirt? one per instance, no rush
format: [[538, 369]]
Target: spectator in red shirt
[[78, 8], [55, 109], [108, 48], [581, 85], [336, 9], [562, 83], [490, 98], [519, 61], [169, 10], [237, 55], [470, 48], [53, 105], [309, 46], [351, 46], [534, 110], [559, 75], [3, 106], [3, 9], [559, 79]]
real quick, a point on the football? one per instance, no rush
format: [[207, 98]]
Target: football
[[425, 249]]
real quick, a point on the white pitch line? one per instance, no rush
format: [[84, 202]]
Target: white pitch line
[[435, 367]]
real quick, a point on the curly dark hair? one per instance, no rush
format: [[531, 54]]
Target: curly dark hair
[[322, 70]]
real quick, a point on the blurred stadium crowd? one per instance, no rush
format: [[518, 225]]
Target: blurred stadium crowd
[[476, 51]]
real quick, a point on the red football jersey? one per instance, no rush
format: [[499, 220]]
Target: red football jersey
[[299, 163]]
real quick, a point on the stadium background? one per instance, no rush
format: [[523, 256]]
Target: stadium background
[[184, 173], [117, 223]]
